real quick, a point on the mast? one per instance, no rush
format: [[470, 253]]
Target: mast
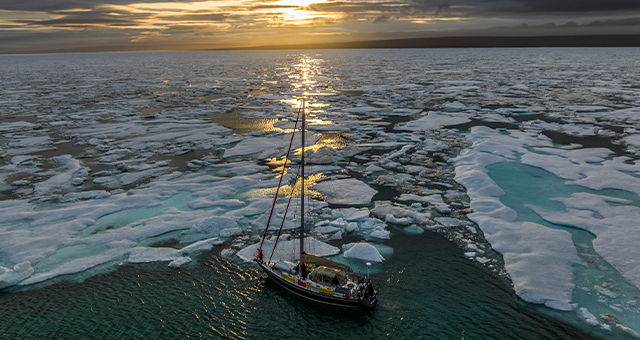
[[304, 126]]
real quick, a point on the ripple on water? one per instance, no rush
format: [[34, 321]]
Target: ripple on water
[[428, 290]]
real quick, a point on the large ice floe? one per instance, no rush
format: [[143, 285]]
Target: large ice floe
[[599, 195], [530, 251], [528, 162]]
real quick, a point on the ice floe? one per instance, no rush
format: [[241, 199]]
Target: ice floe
[[348, 191], [362, 251], [538, 259]]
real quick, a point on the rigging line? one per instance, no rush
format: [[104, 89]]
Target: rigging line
[[284, 168], [284, 217]]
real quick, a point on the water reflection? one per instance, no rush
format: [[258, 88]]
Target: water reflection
[[241, 125], [289, 190]]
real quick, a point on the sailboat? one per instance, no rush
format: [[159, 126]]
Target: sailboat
[[312, 277]]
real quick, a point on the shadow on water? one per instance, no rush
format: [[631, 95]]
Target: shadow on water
[[476, 122], [586, 141], [429, 290]]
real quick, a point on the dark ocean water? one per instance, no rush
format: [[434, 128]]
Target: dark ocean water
[[428, 291]]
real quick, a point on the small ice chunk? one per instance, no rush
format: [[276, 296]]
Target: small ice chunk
[[354, 214], [450, 222], [588, 317], [398, 221], [454, 107], [380, 233], [605, 292], [628, 330], [227, 253], [351, 227], [327, 230], [362, 251], [179, 262], [78, 181], [20, 183], [482, 260], [384, 208], [616, 308]]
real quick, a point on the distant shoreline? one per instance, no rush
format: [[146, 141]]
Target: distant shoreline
[[439, 42], [467, 42]]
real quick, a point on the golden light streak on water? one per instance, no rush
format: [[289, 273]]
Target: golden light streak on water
[[317, 121], [279, 163], [332, 140], [285, 190]]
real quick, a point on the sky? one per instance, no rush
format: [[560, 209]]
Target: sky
[[28, 26]]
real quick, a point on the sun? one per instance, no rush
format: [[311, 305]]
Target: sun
[[298, 13]]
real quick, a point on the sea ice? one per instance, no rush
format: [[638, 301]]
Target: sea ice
[[61, 181], [179, 262], [287, 250], [362, 251], [450, 222], [348, 191], [398, 221], [605, 292], [10, 277], [538, 259], [435, 120], [265, 147], [588, 317], [213, 225], [384, 208]]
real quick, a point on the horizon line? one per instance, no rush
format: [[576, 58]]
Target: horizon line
[[554, 41]]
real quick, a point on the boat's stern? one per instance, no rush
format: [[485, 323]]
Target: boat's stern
[[370, 302]]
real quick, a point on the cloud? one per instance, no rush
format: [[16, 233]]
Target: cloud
[[382, 18], [356, 7], [443, 10], [146, 21], [193, 17], [51, 6], [487, 8], [579, 6], [97, 17]]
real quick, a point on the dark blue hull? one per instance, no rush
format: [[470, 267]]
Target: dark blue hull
[[369, 302]]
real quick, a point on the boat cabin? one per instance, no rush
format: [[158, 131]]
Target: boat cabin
[[328, 276]]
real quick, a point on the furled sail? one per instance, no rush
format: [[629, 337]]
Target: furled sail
[[321, 261]]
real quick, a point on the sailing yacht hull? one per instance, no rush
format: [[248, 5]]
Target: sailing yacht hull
[[318, 297]]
